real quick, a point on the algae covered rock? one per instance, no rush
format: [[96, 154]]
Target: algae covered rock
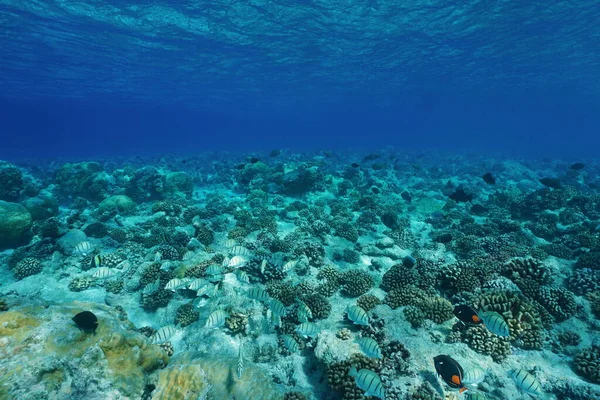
[[83, 179], [45, 355], [118, 204], [192, 375], [15, 222], [11, 182], [41, 207], [179, 182]]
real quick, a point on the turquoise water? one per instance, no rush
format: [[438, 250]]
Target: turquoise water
[[299, 200]]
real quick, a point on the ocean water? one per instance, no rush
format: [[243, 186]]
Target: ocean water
[[299, 200]]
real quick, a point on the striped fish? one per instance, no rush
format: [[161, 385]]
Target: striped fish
[[290, 265], [230, 243], [307, 329], [216, 319], [204, 289], [215, 278], [212, 291], [369, 347], [256, 293], [304, 312], [240, 363], [290, 343], [263, 266], [239, 251], [125, 264], [200, 302], [495, 323], [163, 334], [83, 248], [103, 273], [277, 308], [473, 376], [196, 284], [151, 287], [213, 269], [357, 315], [368, 381], [236, 262], [166, 266], [96, 261], [526, 382], [157, 256], [225, 262], [188, 255], [242, 276], [175, 284]]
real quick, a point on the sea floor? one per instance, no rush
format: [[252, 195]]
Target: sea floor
[[274, 275]]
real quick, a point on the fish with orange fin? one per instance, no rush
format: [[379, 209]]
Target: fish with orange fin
[[450, 371], [467, 314]]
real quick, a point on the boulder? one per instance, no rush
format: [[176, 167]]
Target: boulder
[[117, 203], [15, 224]]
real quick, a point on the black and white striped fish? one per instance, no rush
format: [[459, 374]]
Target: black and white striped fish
[[152, 287], [216, 319], [307, 329], [103, 273], [527, 382], [304, 312], [290, 343], [370, 347], [357, 315], [277, 308], [164, 334], [495, 323], [368, 381], [83, 248], [240, 362], [256, 293]]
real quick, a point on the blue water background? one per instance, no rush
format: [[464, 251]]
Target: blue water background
[[100, 78]]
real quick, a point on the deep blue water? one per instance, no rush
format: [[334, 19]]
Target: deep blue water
[[111, 77]]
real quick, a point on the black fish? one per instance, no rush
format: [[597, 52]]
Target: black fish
[[240, 166], [443, 238], [371, 157], [375, 190], [409, 262], [450, 371], [466, 314], [406, 196], [460, 195], [86, 321], [551, 183], [355, 165], [253, 160], [478, 209], [390, 220], [275, 153], [577, 166], [489, 179]]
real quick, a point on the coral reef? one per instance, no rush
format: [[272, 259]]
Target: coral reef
[[186, 315], [27, 267], [15, 223], [404, 240], [587, 363], [356, 282]]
